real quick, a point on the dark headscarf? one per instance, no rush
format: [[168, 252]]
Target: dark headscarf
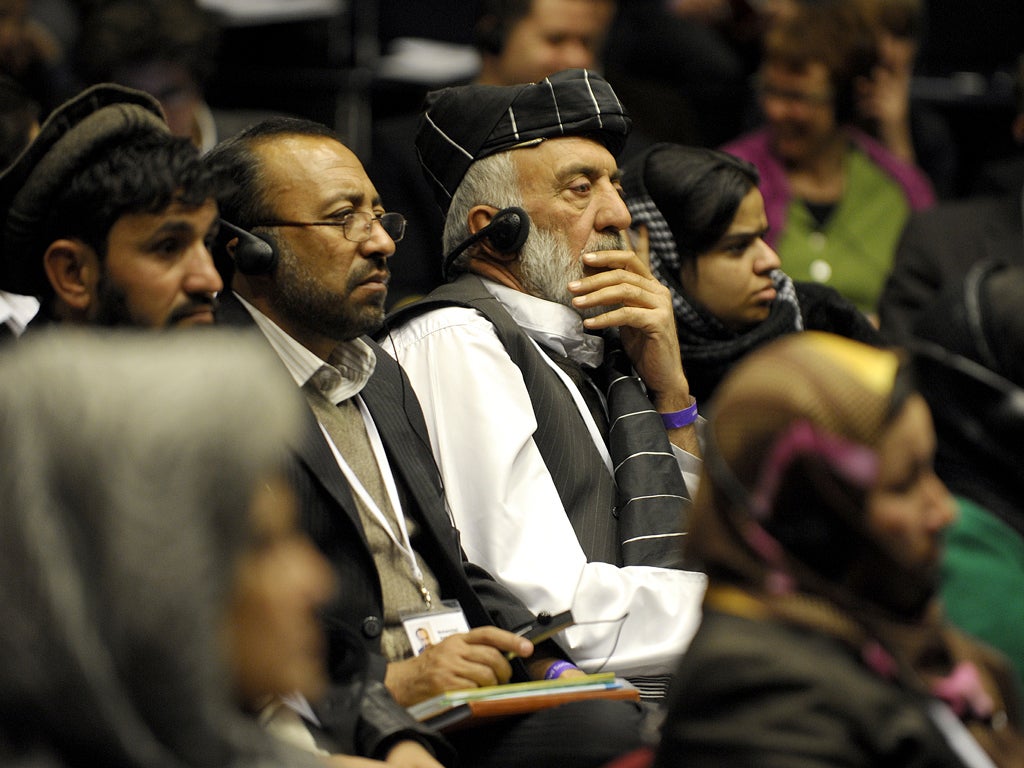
[[791, 456], [709, 349], [128, 467]]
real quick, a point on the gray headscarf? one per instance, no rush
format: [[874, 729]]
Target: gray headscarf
[[127, 464]]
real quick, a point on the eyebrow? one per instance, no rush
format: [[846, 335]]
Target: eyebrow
[[354, 198], [590, 171], [740, 237], [174, 226]]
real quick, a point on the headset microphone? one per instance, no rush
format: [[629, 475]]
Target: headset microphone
[[507, 232], [254, 254]]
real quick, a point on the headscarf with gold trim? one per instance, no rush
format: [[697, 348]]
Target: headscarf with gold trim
[[780, 525]]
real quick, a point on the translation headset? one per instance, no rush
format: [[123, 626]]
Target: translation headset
[[253, 254], [506, 232]]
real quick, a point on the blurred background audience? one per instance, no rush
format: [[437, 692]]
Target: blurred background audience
[[935, 89]]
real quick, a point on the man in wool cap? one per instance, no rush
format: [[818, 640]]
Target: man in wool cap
[[106, 218], [549, 371]]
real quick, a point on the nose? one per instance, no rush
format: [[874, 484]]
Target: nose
[[320, 582], [942, 508], [576, 54], [379, 242], [612, 213], [201, 276], [766, 258]]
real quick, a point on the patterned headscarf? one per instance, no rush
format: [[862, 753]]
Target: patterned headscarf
[[704, 340], [465, 123]]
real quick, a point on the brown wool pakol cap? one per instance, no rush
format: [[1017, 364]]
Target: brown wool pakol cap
[[464, 123], [73, 136]]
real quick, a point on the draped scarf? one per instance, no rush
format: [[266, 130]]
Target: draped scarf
[[709, 349], [840, 395]]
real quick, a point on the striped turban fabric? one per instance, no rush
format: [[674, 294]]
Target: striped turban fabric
[[464, 123]]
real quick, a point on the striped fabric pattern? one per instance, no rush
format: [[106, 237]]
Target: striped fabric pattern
[[652, 502], [465, 123]]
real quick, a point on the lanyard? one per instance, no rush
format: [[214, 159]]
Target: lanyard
[[403, 542]]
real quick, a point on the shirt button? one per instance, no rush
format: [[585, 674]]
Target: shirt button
[[372, 626], [820, 271]]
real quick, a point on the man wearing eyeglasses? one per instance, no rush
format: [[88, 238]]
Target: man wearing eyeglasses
[[311, 241]]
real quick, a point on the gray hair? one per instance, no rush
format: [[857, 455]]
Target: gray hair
[[129, 461], [491, 180]]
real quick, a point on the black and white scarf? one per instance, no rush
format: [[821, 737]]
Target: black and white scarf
[[709, 349]]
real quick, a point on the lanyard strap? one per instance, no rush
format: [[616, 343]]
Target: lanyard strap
[[400, 540]]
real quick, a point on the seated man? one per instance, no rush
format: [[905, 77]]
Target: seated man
[[106, 217], [311, 262], [568, 494]]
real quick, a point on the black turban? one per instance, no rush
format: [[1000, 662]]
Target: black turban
[[73, 136], [462, 124]]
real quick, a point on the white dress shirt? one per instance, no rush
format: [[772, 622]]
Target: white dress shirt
[[504, 501]]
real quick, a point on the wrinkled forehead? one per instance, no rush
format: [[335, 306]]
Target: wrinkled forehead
[[565, 155], [315, 170]]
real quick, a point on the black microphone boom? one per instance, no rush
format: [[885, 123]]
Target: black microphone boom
[[507, 232]]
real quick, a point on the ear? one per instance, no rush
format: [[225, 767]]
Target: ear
[[73, 269], [479, 217], [1018, 128]]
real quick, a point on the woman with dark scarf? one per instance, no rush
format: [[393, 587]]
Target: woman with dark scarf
[[706, 225], [155, 590], [969, 351], [819, 523]]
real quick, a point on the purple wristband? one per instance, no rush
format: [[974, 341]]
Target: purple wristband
[[677, 419], [556, 669]]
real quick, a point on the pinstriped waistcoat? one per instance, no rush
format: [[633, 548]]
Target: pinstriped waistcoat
[[586, 489]]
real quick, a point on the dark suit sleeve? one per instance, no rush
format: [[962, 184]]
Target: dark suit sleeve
[[383, 723], [913, 281]]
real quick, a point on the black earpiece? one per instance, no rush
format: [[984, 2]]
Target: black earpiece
[[253, 254], [507, 232]]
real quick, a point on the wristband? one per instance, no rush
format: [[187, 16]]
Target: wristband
[[683, 418], [556, 669]]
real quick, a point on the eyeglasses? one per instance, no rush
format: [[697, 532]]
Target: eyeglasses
[[355, 226]]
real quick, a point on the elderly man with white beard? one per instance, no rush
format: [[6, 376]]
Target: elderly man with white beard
[[549, 372]]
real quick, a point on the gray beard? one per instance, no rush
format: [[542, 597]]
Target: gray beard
[[547, 266]]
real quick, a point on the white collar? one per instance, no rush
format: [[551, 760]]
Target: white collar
[[350, 367], [16, 310], [552, 325]]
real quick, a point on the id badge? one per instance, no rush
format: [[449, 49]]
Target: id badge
[[429, 628]]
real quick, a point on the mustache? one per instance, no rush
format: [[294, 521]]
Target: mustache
[[364, 274], [195, 304], [607, 242]]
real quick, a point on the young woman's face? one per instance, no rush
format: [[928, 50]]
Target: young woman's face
[[909, 507], [732, 281], [275, 641]]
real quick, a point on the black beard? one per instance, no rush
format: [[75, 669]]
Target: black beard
[[304, 299], [112, 304]]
